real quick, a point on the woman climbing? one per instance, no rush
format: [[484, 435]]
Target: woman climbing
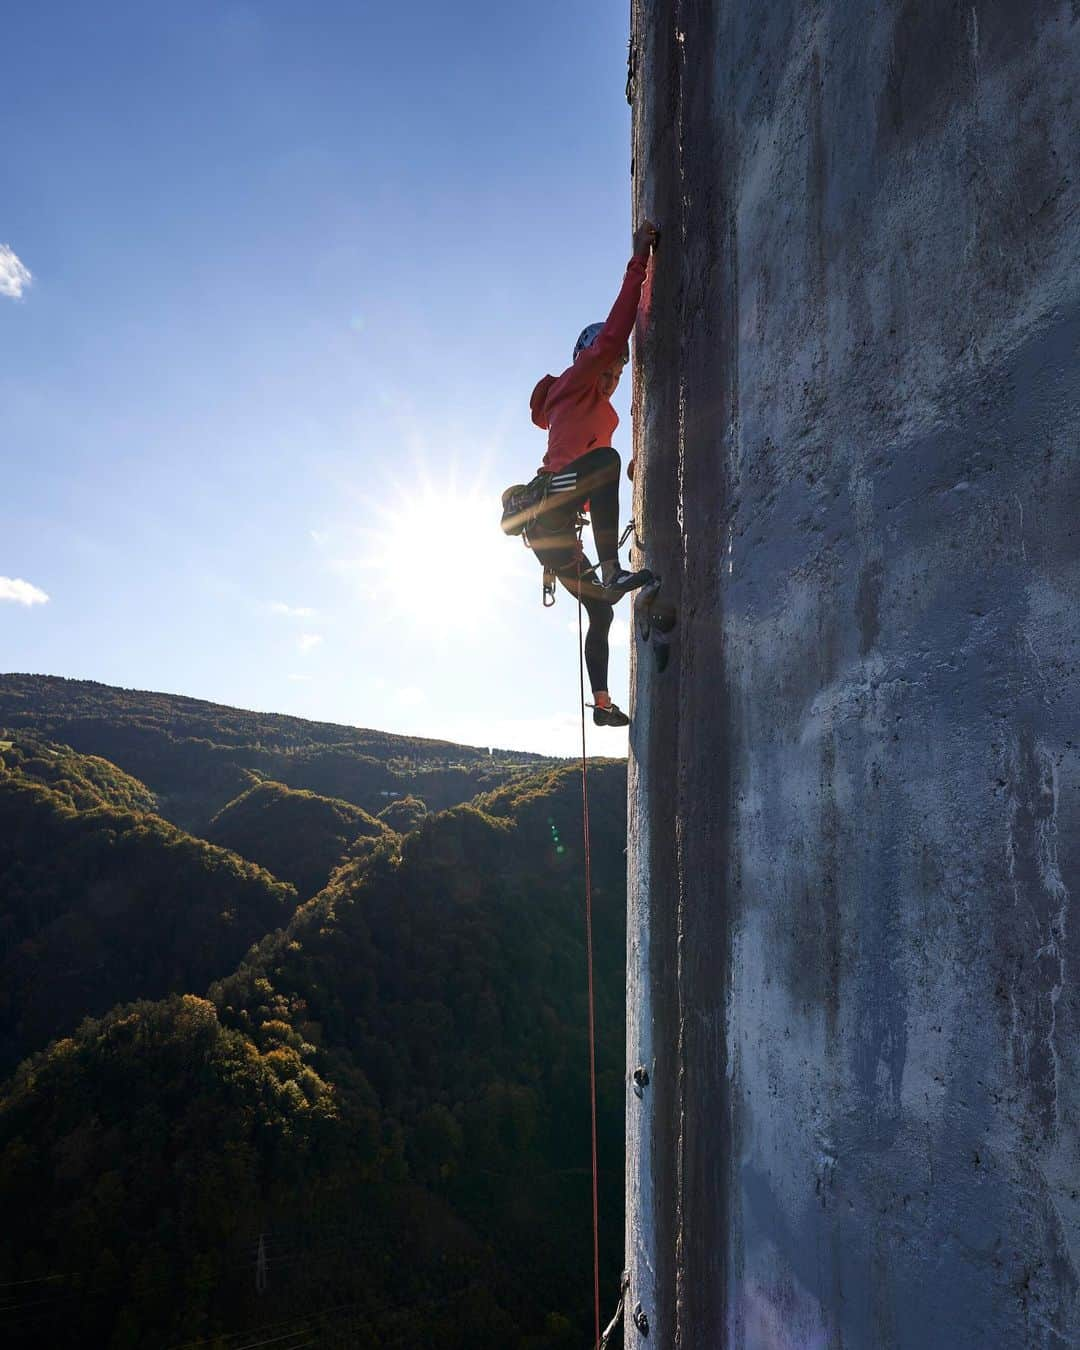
[[575, 410]]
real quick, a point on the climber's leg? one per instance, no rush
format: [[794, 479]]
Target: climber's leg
[[592, 481]]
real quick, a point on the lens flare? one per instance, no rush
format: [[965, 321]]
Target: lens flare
[[436, 559]]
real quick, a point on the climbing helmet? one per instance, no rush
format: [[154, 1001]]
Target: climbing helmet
[[589, 335]]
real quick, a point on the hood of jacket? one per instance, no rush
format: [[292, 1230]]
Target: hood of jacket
[[539, 398]]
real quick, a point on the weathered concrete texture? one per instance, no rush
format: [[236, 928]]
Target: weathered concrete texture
[[855, 832]]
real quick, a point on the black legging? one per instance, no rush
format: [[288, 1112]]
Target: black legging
[[592, 478]]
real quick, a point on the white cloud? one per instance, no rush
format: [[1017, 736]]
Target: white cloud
[[21, 592], [14, 274], [292, 611], [300, 678], [308, 641], [410, 697]]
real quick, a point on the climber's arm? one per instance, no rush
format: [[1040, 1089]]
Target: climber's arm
[[646, 237], [615, 334]]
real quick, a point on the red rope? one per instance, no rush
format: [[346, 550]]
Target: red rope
[[589, 962]]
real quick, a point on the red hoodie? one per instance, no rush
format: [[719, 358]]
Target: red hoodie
[[570, 407]]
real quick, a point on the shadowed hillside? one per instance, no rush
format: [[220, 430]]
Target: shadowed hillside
[[101, 901], [297, 835], [388, 1098]]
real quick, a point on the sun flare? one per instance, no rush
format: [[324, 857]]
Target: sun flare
[[436, 557]]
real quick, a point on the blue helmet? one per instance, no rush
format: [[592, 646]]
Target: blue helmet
[[589, 335]]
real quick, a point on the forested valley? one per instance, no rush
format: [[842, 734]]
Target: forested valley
[[293, 1031]]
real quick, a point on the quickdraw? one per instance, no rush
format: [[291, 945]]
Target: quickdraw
[[612, 1326]]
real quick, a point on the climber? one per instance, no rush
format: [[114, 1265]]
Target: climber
[[582, 473]]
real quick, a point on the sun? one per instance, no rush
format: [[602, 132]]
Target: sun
[[436, 556]]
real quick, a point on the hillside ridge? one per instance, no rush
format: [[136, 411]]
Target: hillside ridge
[[18, 684], [196, 756]]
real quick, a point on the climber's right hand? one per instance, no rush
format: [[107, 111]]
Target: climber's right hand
[[646, 236]]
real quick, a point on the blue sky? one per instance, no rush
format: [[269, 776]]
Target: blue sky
[[294, 270]]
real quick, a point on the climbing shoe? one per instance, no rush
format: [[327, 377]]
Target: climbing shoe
[[609, 716], [623, 582]]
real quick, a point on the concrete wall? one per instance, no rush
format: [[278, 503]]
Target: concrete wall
[[855, 833]]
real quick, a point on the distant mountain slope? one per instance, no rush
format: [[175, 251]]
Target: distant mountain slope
[[297, 835], [390, 1094], [195, 756], [101, 903], [85, 781]]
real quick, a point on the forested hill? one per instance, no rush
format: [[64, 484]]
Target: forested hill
[[197, 756], [101, 900], [342, 1097]]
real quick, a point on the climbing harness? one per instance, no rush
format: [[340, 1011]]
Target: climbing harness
[[574, 524], [569, 525], [532, 505], [522, 503]]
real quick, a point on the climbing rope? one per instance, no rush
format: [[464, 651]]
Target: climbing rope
[[589, 955]]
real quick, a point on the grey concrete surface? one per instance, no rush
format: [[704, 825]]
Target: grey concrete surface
[[854, 965]]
